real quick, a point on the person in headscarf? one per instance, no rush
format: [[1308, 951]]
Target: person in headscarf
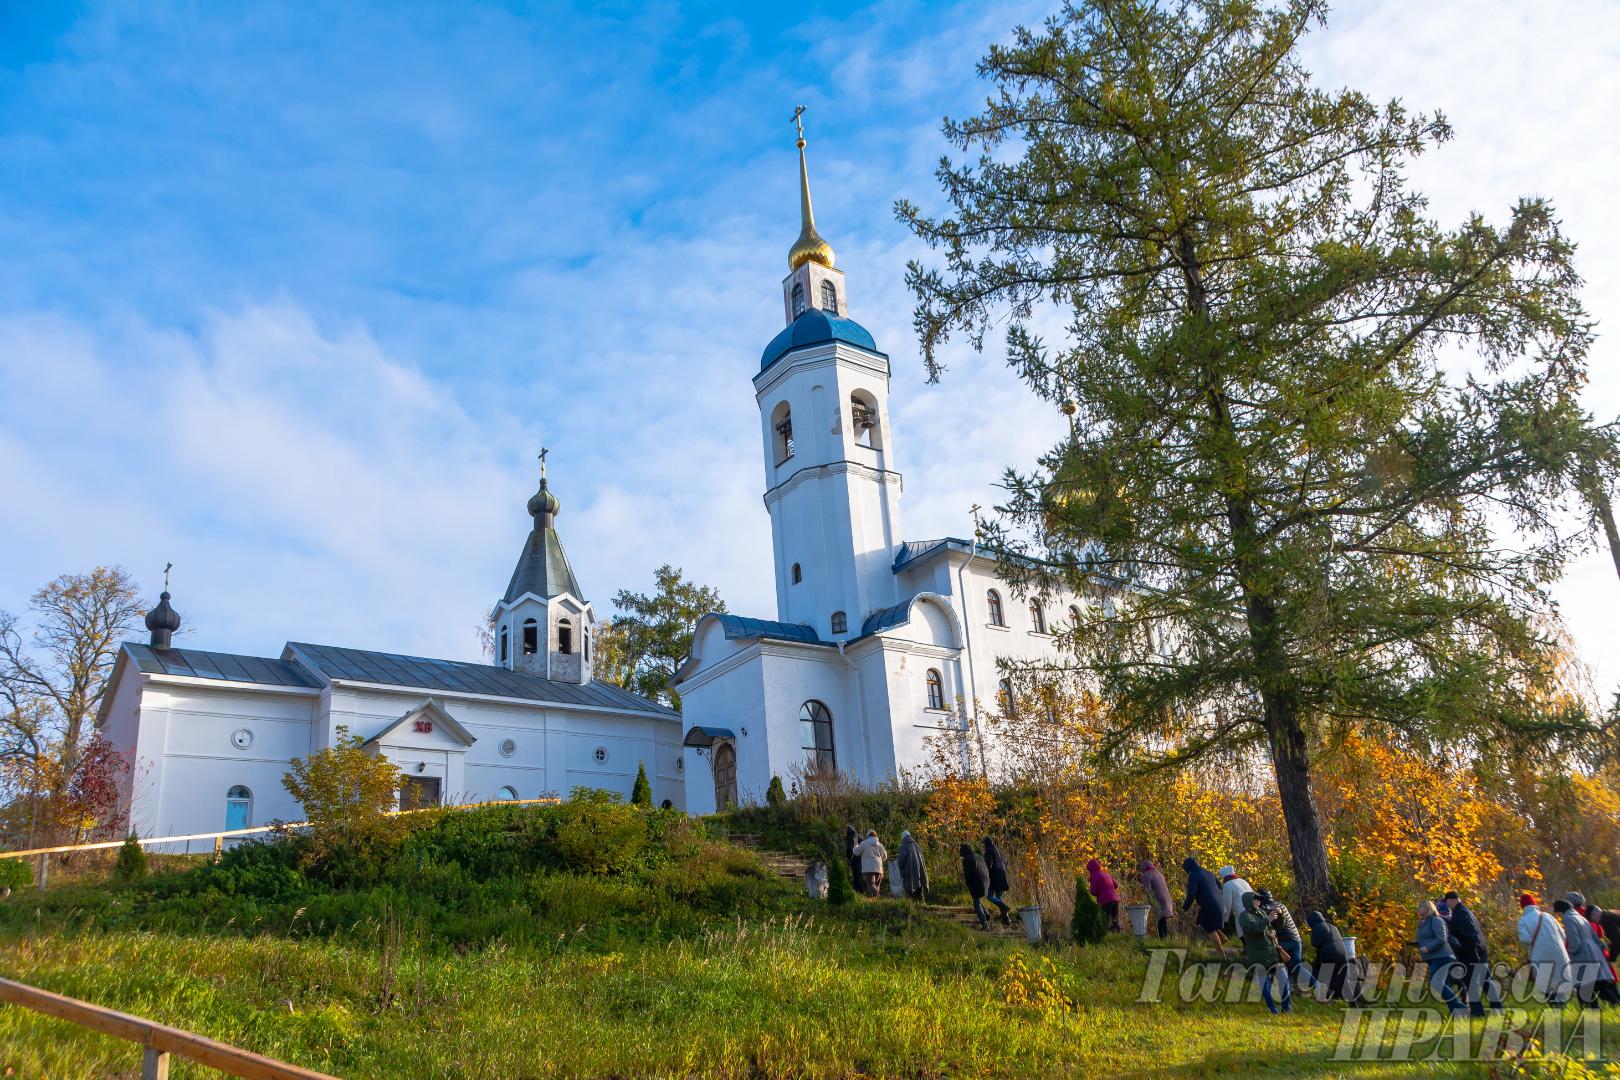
[[852, 840], [977, 879], [1105, 889], [873, 855], [1542, 935], [1468, 943], [1588, 966], [1233, 889], [1610, 921], [1203, 891], [913, 873], [1287, 932], [1331, 967], [997, 868], [1434, 945], [1261, 954], [1158, 893]]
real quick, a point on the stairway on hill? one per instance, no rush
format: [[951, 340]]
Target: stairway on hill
[[793, 867]]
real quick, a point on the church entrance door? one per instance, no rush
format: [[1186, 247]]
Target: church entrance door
[[725, 776], [419, 792]]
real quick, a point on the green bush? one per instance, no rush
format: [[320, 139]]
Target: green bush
[[641, 793], [15, 874], [1089, 926], [131, 864], [839, 888], [598, 834], [775, 794]]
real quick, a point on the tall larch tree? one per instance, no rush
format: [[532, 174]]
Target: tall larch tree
[[1332, 446]]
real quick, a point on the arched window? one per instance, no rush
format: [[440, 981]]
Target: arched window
[[863, 419], [506, 794], [1037, 617], [798, 575], [782, 432], [1074, 615], [992, 600], [840, 623], [816, 737], [565, 636], [585, 641], [936, 689], [504, 644], [829, 297], [238, 808], [798, 299], [1004, 697], [531, 637]]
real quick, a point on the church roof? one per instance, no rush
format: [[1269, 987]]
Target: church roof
[[542, 567], [458, 676], [816, 327], [740, 626], [227, 667], [914, 550]]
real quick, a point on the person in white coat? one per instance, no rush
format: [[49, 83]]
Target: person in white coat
[[873, 856], [1232, 890], [1542, 935]]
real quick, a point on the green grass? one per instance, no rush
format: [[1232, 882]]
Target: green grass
[[645, 971]]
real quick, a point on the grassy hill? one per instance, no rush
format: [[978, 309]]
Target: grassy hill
[[593, 939]]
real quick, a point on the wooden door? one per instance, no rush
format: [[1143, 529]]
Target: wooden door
[[725, 776]]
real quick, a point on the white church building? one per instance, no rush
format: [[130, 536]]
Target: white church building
[[879, 644], [208, 735]]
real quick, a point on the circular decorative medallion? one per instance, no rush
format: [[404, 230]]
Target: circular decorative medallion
[[601, 753], [242, 738], [508, 748]]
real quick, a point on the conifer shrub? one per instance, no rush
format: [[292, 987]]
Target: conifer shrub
[[15, 874], [1089, 925], [641, 793], [775, 795], [131, 863], [840, 890]]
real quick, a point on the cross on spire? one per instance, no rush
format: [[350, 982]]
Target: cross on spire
[[543, 453], [798, 122], [166, 568]]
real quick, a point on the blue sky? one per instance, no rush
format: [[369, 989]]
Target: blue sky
[[292, 293]]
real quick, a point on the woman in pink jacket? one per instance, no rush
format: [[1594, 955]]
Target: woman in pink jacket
[[1107, 893]]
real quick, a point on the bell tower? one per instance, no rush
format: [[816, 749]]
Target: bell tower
[[543, 624], [830, 483]]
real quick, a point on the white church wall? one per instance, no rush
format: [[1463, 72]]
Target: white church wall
[[728, 693], [189, 757], [792, 677]]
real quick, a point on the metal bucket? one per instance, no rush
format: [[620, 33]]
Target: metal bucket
[[1031, 918], [1138, 914], [1350, 947]]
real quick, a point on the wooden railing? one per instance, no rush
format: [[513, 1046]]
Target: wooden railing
[[43, 855], [158, 1040]]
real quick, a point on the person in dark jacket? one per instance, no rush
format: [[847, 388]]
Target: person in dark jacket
[[1287, 932], [1203, 891], [1332, 967], [913, 872], [977, 878], [1261, 954], [1468, 943], [997, 867], [852, 840], [1434, 945]]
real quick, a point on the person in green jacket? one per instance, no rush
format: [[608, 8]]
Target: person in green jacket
[[1261, 954]]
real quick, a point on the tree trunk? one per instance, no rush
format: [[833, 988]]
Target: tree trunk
[[1291, 761], [1605, 513]]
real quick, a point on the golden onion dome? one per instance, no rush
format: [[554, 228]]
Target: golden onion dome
[[809, 247]]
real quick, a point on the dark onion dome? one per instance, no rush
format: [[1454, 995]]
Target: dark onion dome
[[815, 327], [543, 502], [162, 621]]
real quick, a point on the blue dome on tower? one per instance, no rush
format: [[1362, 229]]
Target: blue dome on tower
[[816, 327]]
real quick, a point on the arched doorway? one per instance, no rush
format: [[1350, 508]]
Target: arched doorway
[[725, 775]]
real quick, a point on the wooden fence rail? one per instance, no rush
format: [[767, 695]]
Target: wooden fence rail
[[158, 1040], [42, 855]]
